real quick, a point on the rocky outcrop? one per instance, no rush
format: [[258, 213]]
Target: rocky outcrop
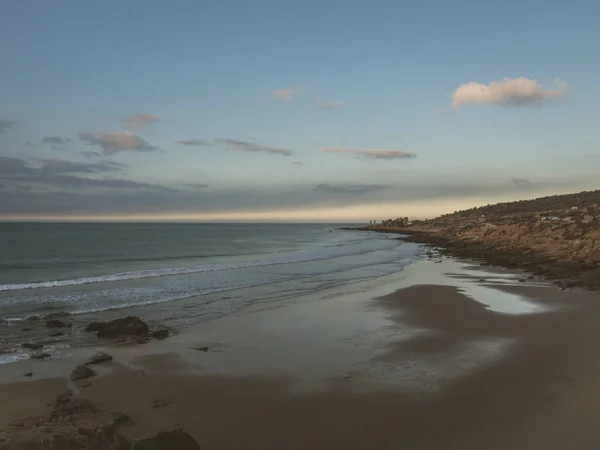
[[73, 424], [127, 326], [167, 440]]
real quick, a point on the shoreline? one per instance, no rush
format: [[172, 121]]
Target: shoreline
[[457, 354], [565, 274]]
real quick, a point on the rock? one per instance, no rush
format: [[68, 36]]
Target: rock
[[128, 326], [120, 418], [94, 326], [167, 440], [33, 318], [28, 374], [200, 349], [521, 280], [99, 358], [57, 334], [26, 329], [82, 373], [160, 334], [54, 323], [41, 356], [482, 280], [31, 346]]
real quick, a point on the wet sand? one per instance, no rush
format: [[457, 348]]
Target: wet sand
[[444, 362]]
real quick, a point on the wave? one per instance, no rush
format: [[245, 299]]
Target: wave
[[325, 253]]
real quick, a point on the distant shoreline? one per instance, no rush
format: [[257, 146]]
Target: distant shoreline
[[565, 274]]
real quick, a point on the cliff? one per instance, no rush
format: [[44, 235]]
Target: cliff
[[558, 237]]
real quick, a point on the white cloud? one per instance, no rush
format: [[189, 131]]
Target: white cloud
[[140, 120], [508, 92], [287, 94], [321, 103], [117, 141]]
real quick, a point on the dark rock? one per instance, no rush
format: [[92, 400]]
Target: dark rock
[[26, 329], [200, 349], [33, 318], [41, 356], [28, 374], [160, 334], [54, 323], [99, 358], [482, 280], [82, 373], [120, 418], [128, 326], [94, 326], [521, 280], [31, 346], [167, 440], [57, 334]]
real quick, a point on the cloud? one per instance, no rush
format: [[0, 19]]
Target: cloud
[[58, 174], [298, 163], [372, 153], [522, 181], [287, 94], [89, 154], [508, 92], [246, 146], [327, 104], [356, 189], [140, 120], [55, 140], [63, 166], [194, 142], [197, 185], [115, 142], [6, 124]]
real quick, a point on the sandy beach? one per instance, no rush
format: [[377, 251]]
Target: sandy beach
[[443, 355]]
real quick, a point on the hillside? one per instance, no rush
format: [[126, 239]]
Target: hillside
[[557, 236]]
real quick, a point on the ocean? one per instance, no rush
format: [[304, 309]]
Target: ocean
[[173, 275]]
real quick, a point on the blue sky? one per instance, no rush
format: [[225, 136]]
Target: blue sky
[[305, 110]]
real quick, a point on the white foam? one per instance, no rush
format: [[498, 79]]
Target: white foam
[[316, 255]]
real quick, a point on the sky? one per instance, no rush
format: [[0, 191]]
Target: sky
[[248, 110]]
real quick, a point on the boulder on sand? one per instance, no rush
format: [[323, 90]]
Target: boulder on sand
[[31, 346], [82, 373], [98, 358], [128, 326], [167, 440]]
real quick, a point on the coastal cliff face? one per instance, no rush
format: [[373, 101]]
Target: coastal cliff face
[[558, 237]]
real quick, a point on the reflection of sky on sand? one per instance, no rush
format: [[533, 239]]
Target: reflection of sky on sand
[[467, 279]]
